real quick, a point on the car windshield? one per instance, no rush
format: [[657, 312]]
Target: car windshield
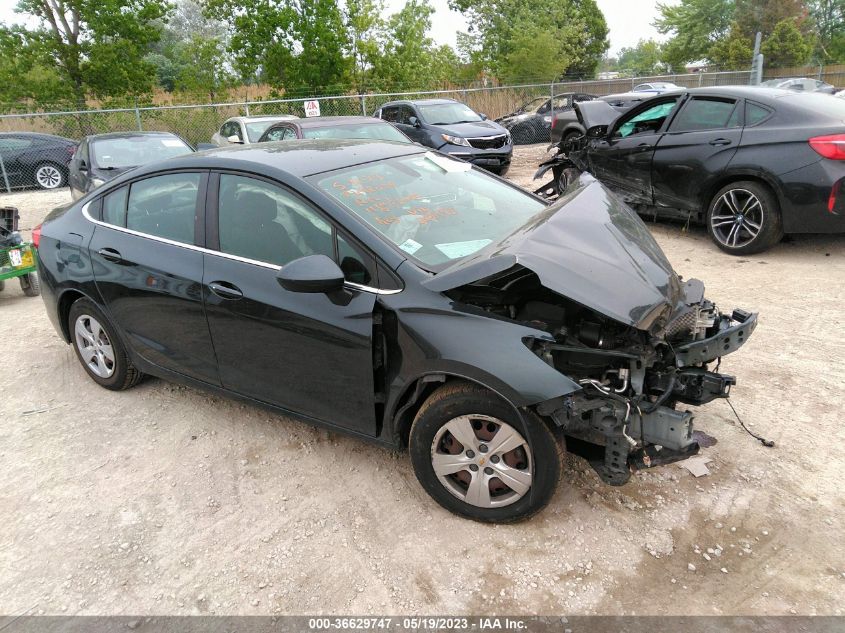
[[132, 151], [447, 113], [532, 106], [378, 131], [254, 129], [434, 208]]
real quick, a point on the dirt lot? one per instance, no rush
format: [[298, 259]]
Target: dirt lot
[[167, 500]]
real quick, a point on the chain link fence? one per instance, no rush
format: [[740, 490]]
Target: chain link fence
[[27, 160]]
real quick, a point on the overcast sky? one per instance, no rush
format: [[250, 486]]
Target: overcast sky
[[629, 20]]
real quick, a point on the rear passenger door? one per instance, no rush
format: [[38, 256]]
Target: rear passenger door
[[309, 353], [700, 142], [148, 269]]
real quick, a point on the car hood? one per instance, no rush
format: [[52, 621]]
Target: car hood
[[472, 130], [590, 247]]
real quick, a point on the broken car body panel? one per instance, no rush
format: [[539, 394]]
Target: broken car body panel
[[588, 246]]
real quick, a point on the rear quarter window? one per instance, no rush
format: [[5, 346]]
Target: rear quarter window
[[755, 113]]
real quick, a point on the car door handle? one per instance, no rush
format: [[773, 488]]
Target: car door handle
[[110, 254], [225, 290], [720, 141]]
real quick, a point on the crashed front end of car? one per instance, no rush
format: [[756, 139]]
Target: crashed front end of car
[[611, 315]]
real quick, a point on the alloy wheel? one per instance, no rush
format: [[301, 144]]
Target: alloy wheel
[[482, 461], [48, 176], [94, 346], [737, 218]]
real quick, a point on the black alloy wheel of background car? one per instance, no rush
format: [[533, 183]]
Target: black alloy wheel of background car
[[401, 296]]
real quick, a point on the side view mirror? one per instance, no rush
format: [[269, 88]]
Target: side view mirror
[[313, 273], [234, 139], [414, 121], [597, 131], [83, 166], [483, 116]]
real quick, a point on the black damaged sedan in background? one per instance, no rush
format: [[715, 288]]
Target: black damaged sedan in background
[[750, 163], [401, 296]]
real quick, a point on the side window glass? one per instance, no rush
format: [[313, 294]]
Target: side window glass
[[356, 266], [226, 130], [114, 207], [289, 134], [704, 114], [407, 113], [755, 113], [263, 222], [275, 134], [647, 122], [164, 206], [390, 114]]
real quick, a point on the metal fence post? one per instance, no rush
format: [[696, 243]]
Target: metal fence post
[[363, 104], [246, 107], [138, 117], [5, 176]]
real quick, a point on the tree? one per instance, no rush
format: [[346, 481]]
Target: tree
[[642, 59], [202, 67], [95, 47], [829, 19], [365, 28], [409, 59], [786, 46], [499, 27], [752, 16], [25, 72], [733, 52], [290, 43], [695, 26]]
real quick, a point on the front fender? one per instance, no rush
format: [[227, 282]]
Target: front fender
[[486, 350]]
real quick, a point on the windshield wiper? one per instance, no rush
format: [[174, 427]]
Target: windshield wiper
[[109, 168]]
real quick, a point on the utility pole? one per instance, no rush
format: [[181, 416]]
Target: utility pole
[[756, 63]]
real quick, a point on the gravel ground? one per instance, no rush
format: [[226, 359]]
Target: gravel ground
[[167, 500]]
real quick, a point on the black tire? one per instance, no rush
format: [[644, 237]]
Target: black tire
[[766, 215], [30, 284], [53, 177], [465, 399], [124, 374]]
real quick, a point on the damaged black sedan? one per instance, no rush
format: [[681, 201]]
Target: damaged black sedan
[[398, 295]]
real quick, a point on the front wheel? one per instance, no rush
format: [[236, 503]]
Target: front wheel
[[743, 218], [477, 458]]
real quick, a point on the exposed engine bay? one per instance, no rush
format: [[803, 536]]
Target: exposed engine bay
[[632, 377]]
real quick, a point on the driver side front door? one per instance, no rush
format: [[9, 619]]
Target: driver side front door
[[623, 158]]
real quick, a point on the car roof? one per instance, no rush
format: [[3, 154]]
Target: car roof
[[325, 121], [52, 137], [263, 117], [108, 135], [421, 102], [299, 158]]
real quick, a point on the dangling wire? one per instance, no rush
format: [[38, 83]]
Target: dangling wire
[[762, 440]]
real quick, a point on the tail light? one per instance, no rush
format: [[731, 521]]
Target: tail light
[[831, 146], [36, 235]]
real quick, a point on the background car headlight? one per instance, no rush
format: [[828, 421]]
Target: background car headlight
[[456, 140]]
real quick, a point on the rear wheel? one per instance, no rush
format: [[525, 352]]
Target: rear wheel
[[476, 457], [744, 218], [49, 176], [99, 349]]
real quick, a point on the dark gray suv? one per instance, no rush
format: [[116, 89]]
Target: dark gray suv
[[452, 128]]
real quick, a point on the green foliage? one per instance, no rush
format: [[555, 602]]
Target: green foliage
[[95, 47], [642, 59], [786, 46], [733, 52], [365, 27], [695, 26], [499, 29], [828, 18]]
